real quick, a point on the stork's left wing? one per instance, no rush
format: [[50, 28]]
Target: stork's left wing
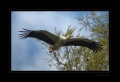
[[95, 46]]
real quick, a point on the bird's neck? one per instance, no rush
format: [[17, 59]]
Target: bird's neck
[[63, 37], [69, 36]]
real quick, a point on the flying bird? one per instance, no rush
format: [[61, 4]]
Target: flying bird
[[56, 42]]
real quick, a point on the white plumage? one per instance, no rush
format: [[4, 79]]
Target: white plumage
[[61, 41]]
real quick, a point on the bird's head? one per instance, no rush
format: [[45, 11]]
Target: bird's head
[[69, 36]]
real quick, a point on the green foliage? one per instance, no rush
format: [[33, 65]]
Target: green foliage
[[74, 58], [98, 26]]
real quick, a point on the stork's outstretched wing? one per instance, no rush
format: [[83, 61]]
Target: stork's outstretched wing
[[39, 34], [95, 46]]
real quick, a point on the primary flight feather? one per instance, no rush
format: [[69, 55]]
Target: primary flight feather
[[56, 42]]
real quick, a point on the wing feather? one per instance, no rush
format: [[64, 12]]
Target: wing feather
[[39, 34], [95, 46]]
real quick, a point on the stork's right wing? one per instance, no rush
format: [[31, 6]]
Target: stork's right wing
[[40, 34]]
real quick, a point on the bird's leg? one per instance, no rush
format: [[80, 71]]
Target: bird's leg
[[51, 49]]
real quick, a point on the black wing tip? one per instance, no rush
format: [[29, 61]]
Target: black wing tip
[[22, 36], [97, 47], [24, 30], [25, 34]]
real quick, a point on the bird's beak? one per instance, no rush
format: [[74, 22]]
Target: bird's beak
[[71, 36]]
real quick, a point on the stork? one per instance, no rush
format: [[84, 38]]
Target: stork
[[56, 42]]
